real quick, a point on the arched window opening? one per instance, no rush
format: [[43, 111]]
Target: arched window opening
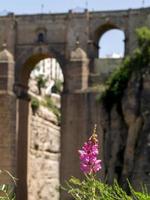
[[45, 87], [111, 44], [41, 37]]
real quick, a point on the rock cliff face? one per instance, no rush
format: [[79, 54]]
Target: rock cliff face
[[44, 155], [126, 133]]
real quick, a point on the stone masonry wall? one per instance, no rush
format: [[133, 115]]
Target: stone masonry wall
[[44, 156]]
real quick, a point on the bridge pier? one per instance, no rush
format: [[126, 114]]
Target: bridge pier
[[74, 117], [8, 117], [23, 135]]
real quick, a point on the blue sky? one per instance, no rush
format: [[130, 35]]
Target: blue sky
[[46, 6], [34, 6]]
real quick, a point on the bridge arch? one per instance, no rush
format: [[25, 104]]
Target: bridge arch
[[112, 44], [24, 65], [101, 30], [29, 57]]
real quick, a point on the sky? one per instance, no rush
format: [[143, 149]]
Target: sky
[[36, 6], [59, 6]]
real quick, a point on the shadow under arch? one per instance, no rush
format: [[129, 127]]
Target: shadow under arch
[[102, 29], [21, 90]]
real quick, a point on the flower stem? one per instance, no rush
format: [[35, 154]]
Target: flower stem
[[93, 186]]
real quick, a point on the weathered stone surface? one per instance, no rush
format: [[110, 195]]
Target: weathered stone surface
[[127, 134], [44, 156], [33, 86]]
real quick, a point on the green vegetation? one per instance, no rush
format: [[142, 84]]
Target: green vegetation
[[34, 104], [41, 82], [51, 105], [92, 189], [48, 103], [57, 87], [117, 82], [7, 190]]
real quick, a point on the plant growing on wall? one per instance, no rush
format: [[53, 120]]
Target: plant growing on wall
[[48, 103], [51, 105], [34, 104]]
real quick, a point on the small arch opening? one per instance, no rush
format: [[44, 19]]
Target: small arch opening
[[111, 44], [41, 37]]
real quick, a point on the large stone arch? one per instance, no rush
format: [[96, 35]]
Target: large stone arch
[[75, 71], [28, 57], [24, 65]]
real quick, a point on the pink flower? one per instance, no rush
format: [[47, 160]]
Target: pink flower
[[88, 155]]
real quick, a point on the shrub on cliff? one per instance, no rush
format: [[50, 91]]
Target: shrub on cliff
[[118, 80]]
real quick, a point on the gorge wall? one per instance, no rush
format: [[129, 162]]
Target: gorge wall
[[126, 136], [44, 156]]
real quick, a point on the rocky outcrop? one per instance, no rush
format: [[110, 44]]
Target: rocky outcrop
[[126, 130], [44, 156]]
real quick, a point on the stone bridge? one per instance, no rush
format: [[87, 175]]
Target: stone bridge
[[71, 38]]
